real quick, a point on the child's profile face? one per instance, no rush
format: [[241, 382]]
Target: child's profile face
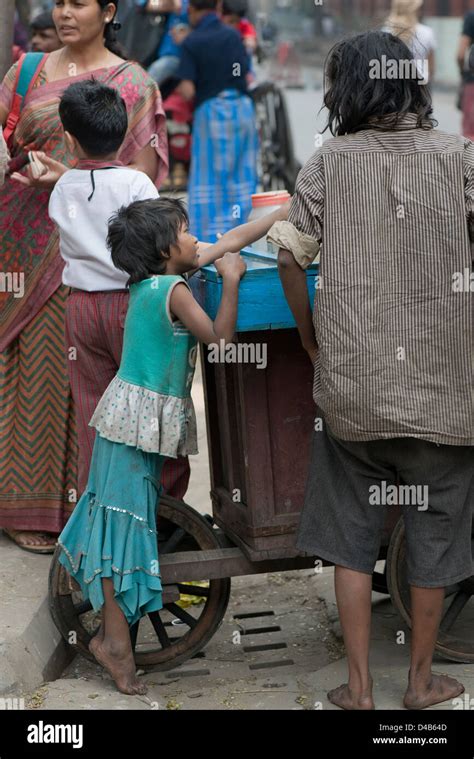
[[185, 253]]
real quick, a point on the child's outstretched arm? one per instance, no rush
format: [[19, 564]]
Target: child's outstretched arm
[[240, 237], [183, 305]]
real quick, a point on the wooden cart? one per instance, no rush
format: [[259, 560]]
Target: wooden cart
[[259, 426]]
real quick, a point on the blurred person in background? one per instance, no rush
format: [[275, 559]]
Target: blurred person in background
[[234, 14], [213, 70], [466, 100], [44, 37], [403, 21], [177, 28]]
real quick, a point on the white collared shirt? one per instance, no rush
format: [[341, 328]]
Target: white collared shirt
[[83, 223]]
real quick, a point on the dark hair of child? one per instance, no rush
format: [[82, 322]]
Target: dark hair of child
[[352, 96], [204, 5], [96, 115], [42, 21], [235, 8], [141, 235]]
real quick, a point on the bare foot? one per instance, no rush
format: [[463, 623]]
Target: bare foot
[[121, 667], [349, 699], [32, 540], [440, 688], [100, 634]]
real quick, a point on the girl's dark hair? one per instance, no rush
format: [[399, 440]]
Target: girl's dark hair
[[141, 235], [110, 31], [96, 115], [352, 96]]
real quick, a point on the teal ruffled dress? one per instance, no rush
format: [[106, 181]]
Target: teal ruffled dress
[[145, 415]]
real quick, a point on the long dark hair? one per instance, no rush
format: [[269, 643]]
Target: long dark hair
[[353, 97], [110, 31]]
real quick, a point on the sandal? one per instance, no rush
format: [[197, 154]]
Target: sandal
[[15, 535]]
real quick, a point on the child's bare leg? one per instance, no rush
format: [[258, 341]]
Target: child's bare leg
[[424, 688], [354, 596], [114, 650]]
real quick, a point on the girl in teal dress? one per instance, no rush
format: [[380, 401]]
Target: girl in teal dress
[[109, 544]]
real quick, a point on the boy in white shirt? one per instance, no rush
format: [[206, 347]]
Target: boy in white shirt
[[94, 119]]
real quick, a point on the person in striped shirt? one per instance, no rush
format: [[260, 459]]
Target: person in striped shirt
[[387, 204]]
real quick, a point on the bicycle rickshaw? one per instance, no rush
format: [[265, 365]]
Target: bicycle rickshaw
[[257, 432]]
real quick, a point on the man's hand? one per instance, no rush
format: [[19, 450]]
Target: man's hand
[[53, 170]]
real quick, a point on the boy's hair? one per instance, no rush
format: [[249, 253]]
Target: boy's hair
[[352, 96], [139, 235], [96, 115], [235, 8], [43, 21], [204, 5]]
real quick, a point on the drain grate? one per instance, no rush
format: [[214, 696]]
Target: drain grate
[[264, 647], [258, 630], [277, 645], [272, 664]]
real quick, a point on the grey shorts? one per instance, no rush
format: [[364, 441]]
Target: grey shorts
[[352, 484]]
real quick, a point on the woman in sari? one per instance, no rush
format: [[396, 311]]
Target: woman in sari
[[38, 450]]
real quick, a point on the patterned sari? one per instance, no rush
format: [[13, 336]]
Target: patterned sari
[[38, 450]]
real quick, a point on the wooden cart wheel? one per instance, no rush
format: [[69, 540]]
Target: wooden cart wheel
[[455, 638], [379, 581], [189, 618]]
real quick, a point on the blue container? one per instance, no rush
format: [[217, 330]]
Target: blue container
[[262, 303]]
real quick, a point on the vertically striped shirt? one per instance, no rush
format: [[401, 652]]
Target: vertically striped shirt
[[392, 217]]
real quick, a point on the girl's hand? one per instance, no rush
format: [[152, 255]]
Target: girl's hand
[[231, 265], [53, 170]]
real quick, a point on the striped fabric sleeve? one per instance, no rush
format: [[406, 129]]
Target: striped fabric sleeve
[[469, 191], [7, 86], [307, 210]]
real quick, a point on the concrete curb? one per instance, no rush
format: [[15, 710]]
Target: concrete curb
[[31, 648]]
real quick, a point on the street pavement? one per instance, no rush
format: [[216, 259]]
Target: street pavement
[[289, 667]]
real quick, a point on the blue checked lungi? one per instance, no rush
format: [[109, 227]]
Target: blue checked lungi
[[223, 172]]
